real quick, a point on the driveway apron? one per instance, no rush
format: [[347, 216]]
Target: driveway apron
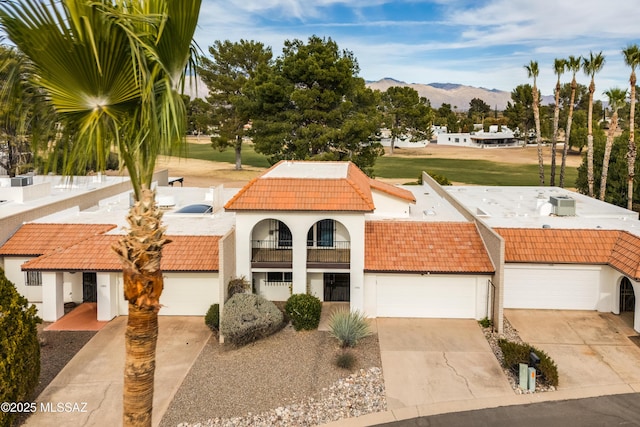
[[426, 361], [591, 349], [88, 391]]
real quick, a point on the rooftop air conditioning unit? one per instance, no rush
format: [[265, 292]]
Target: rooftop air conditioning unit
[[21, 181], [563, 205]]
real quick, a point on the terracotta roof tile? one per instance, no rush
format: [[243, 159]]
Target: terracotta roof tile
[[351, 192], [392, 190], [37, 239], [558, 245], [184, 253], [425, 247]]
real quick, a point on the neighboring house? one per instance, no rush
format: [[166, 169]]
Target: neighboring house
[[327, 229], [481, 139]]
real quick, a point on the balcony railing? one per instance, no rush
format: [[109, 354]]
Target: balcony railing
[[278, 253], [338, 253], [269, 253]]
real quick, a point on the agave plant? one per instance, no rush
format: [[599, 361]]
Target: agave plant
[[348, 327]]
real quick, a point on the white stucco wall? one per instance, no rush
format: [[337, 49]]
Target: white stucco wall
[[14, 273], [426, 295], [299, 224], [390, 206]]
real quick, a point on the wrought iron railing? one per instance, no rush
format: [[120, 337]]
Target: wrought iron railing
[[271, 251], [339, 252]]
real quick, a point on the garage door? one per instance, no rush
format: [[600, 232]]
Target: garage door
[[426, 296], [551, 287]]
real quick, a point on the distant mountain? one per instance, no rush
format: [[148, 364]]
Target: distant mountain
[[456, 95]]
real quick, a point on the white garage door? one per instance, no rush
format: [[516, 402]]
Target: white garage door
[[427, 296], [551, 287]]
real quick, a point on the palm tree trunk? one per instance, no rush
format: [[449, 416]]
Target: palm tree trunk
[[536, 116], [238, 149], [140, 252], [632, 150], [567, 134], [607, 155], [141, 337], [590, 177], [556, 120]]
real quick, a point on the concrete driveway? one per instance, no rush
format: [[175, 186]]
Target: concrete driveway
[[91, 383], [591, 349], [427, 361]]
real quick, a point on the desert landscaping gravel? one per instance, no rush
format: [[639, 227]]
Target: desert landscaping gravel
[[287, 379]]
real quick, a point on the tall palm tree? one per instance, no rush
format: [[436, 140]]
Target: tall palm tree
[[632, 59], [616, 98], [559, 65], [111, 70], [591, 66], [573, 64], [534, 71]]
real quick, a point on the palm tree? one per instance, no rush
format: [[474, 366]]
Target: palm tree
[[573, 65], [111, 70], [616, 98], [632, 59], [558, 67], [591, 66], [534, 71]]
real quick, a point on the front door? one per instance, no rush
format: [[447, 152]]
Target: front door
[[336, 286], [89, 287]]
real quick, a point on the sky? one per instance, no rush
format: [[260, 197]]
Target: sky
[[482, 43]]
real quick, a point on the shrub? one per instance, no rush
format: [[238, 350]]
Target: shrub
[[238, 285], [19, 347], [345, 360], [515, 354], [304, 311], [249, 317], [486, 322], [212, 318], [348, 327]]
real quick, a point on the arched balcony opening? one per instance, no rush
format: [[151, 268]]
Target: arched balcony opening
[[328, 245], [271, 245]]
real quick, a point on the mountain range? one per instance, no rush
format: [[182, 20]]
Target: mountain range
[[456, 95]]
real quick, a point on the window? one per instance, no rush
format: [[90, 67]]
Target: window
[[33, 278], [279, 276], [284, 235], [323, 231]]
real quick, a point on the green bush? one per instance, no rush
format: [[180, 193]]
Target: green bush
[[485, 323], [348, 327], [249, 317], [515, 354], [345, 360], [212, 318], [304, 311], [19, 347]]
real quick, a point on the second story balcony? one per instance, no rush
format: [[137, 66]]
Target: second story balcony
[[271, 254], [335, 255]]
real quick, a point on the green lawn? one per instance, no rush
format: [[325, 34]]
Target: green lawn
[[475, 172]]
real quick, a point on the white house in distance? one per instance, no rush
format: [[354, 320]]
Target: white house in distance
[[327, 229], [495, 138]]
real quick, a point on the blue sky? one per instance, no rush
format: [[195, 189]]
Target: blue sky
[[483, 43]]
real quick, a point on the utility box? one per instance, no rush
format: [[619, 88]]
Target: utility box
[[523, 376], [532, 379], [21, 181], [563, 205]]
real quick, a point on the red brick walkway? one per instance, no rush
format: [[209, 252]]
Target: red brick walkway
[[81, 318]]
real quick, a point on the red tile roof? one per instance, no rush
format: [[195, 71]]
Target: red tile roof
[[619, 249], [443, 247], [184, 253], [37, 239], [351, 192], [392, 190]]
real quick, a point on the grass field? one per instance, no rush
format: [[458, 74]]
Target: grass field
[[465, 171]]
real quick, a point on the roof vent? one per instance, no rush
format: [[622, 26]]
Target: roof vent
[[563, 205], [546, 226]]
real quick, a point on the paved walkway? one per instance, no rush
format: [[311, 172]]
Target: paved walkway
[[82, 318], [93, 379]]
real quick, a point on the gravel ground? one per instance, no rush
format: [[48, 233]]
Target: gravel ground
[[288, 378]]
